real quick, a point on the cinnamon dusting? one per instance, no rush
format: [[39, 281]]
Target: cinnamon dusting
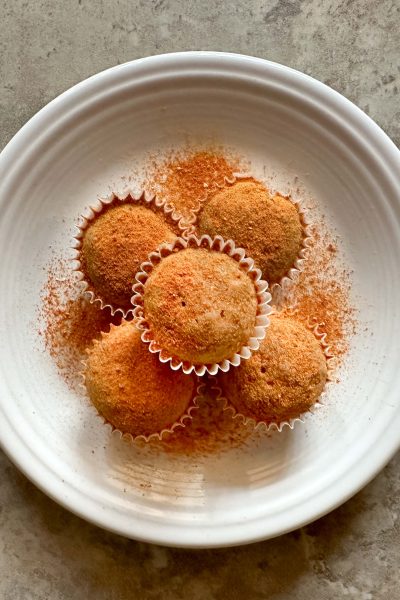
[[185, 180], [321, 294], [115, 244], [200, 305], [130, 387], [69, 322], [283, 379], [267, 226], [211, 430]]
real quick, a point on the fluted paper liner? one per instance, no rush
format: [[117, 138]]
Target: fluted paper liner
[[95, 210], [304, 214], [217, 244], [186, 417], [317, 330]]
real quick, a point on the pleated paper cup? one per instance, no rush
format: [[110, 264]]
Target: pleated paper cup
[[101, 206], [217, 244], [290, 278]]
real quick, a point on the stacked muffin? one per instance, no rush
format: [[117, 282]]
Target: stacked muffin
[[199, 306]]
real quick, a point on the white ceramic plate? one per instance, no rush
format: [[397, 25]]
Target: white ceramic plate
[[78, 147]]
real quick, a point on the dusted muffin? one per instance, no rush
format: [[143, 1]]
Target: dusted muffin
[[115, 244], [283, 379], [129, 386], [268, 228], [200, 305]]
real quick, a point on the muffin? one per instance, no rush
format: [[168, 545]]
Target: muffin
[[268, 227], [129, 386], [115, 244], [200, 305], [283, 379]]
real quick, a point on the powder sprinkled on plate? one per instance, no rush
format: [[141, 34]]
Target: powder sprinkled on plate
[[69, 322], [186, 179], [321, 293], [212, 430]]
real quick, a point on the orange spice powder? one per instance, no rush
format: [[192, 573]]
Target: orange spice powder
[[200, 305], [283, 379], [186, 179], [321, 294], [212, 430], [131, 388], [116, 243], [267, 226], [70, 323]]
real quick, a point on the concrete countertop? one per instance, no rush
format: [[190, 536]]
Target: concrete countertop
[[45, 47]]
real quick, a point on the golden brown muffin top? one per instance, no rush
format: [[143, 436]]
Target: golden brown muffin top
[[114, 246], [267, 227], [283, 379], [129, 386], [200, 305]]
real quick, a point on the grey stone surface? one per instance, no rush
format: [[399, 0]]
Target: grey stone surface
[[45, 47]]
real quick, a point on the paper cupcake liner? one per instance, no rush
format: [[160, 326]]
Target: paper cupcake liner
[[186, 417], [292, 274], [321, 336], [217, 244], [211, 387], [279, 289], [91, 213]]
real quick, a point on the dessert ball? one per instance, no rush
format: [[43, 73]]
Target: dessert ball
[[267, 227], [283, 379], [115, 244], [200, 305], [129, 386]]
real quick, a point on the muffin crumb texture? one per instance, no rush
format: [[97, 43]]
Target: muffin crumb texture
[[200, 305], [283, 379], [268, 227], [114, 246], [131, 388]]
